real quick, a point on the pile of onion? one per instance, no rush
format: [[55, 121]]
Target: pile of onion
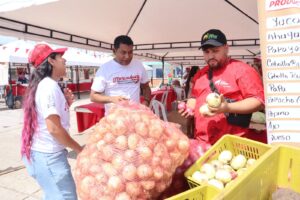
[[131, 155]]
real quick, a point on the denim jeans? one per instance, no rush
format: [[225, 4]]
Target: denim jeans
[[53, 173]]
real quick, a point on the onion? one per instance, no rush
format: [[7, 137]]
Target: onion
[[129, 172], [204, 110], [170, 143], [115, 184], [225, 156], [109, 170], [119, 127], [144, 171], [141, 129], [191, 103], [160, 149], [183, 145], [95, 169], [199, 177], [223, 175], [86, 183], [238, 162], [123, 196], [155, 129], [218, 184], [213, 100], [158, 173], [160, 186], [250, 162], [148, 185], [121, 142], [100, 145], [145, 119], [107, 153], [133, 141], [166, 163], [241, 171], [216, 164], [130, 155], [181, 106], [118, 162], [145, 152], [133, 189], [228, 168], [135, 117], [109, 138], [101, 178], [209, 170], [155, 161]]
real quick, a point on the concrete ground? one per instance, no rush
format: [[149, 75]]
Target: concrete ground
[[15, 183]]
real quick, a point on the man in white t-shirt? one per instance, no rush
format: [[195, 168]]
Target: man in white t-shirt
[[122, 78]]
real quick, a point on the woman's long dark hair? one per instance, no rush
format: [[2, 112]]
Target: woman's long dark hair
[[29, 105], [192, 73]]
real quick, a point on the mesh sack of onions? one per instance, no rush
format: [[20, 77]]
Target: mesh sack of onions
[[131, 155]]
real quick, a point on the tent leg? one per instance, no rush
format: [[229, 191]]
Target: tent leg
[[77, 82], [163, 70]]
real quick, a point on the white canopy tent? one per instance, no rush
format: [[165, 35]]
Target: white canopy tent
[[17, 52], [161, 29]]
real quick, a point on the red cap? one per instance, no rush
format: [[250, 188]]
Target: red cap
[[40, 52]]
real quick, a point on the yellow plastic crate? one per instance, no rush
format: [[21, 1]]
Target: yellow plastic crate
[[237, 145], [279, 168], [198, 193]]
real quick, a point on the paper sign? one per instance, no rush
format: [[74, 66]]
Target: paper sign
[[281, 4], [280, 46]]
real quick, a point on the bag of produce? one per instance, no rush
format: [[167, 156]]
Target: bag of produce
[[132, 154]]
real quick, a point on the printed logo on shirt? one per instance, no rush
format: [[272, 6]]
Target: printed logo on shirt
[[125, 80], [222, 83]]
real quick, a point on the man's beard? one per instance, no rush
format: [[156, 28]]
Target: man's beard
[[215, 64]]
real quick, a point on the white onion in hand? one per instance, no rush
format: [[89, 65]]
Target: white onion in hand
[[204, 110], [213, 100]]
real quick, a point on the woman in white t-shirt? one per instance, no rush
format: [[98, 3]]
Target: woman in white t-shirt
[[46, 122]]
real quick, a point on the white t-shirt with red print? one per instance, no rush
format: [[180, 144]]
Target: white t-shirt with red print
[[114, 79], [49, 100]]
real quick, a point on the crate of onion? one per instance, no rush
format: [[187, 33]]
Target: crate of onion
[[231, 158], [276, 177]]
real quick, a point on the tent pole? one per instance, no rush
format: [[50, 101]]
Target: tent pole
[[163, 70], [9, 72], [181, 70], [163, 67], [77, 82]]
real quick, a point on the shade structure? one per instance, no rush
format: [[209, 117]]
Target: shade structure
[[156, 26]]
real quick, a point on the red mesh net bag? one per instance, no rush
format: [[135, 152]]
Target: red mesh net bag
[[131, 155]]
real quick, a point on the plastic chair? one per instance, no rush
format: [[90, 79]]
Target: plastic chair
[[164, 98], [159, 109], [180, 93]]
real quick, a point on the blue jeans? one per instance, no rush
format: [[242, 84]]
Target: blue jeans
[[53, 173]]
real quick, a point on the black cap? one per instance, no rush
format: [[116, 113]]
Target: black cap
[[213, 37]]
